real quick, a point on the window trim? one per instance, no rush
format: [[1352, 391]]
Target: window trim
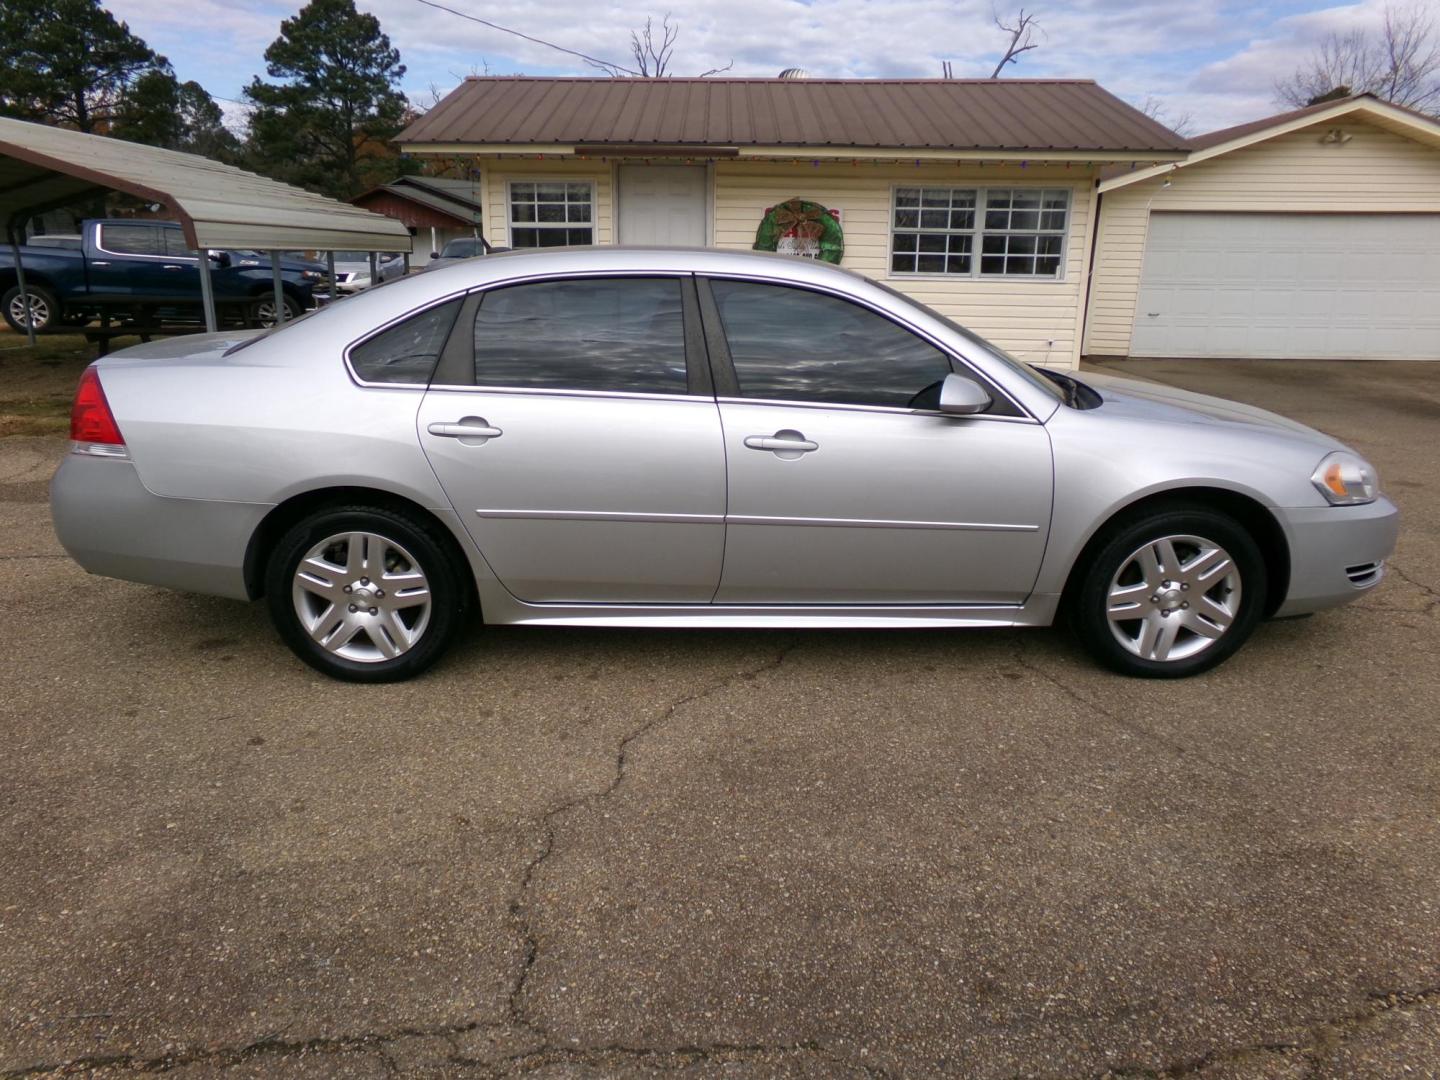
[[594, 222], [100, 241], [727, 385], [981, 189]]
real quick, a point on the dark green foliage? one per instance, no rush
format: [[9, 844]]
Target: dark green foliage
[[327, 123], [68, 62], [159, 110]]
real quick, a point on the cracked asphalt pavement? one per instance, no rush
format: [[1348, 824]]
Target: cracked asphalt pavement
[[583, 853]]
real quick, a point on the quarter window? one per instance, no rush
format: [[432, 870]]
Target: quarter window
[[1016, 232], [551, 213], [795, 345], [408, 351], [616, 334]]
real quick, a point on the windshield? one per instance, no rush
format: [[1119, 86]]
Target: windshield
[[463, 249], [1029, 372]]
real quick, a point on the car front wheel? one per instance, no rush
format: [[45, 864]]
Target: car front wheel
[[262, 311], [365, 594], [1171, 594]]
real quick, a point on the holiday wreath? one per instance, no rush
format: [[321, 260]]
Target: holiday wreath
[[800, 227]]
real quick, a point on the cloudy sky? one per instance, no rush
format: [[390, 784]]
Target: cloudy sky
[[1214, 61]]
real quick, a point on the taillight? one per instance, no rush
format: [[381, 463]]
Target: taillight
[[92, 424]]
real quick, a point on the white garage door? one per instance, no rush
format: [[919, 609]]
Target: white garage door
[[1290, 285]]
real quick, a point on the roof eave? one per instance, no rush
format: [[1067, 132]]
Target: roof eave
[[837, 153], [1391, 116]]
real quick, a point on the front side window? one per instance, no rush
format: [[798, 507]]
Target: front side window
[[551, 213], [175, 244], [794, 345], [131, 239], [408, 351], [622, 335], [985, 232]]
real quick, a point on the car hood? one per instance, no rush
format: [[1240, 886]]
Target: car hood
[[1169, 404]]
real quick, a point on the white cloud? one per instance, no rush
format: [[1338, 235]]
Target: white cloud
[[1215, 60]]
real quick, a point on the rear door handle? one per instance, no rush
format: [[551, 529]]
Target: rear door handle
[[471, 427], [99, 262], [172, 266], [785, 443]]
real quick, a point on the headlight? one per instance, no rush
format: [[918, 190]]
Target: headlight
[[1346, 480], [312, 275]]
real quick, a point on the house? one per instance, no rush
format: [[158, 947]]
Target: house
[[976, 197], [1311, 234], [434, 209]]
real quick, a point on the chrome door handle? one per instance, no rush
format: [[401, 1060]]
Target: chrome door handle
[[172, 266], [786, 444], [99, 262], [469, 428]]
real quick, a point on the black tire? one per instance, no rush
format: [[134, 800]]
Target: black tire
[[410, 539], [260, 313], [39, 296], [1209, 587]]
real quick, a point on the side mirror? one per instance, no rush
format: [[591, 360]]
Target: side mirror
[[220, 258], [961, 396], [433, 255]]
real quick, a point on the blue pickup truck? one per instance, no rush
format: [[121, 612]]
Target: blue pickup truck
[[143, 272]]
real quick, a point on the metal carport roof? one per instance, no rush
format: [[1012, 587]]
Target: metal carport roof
[[218, 205]]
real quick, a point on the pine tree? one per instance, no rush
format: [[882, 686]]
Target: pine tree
[[68, 63], [327, 124]]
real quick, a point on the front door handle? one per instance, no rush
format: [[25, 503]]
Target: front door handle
[[474, 430], [172, 266], [785, 443], [98, 262]]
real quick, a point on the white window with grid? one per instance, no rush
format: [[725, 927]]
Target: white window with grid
[[979, 232], [551, 213]]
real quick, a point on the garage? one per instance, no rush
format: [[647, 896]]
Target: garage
[[1309, 235], [1304, 286]]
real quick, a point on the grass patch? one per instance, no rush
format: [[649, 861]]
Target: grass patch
[[37, 385]]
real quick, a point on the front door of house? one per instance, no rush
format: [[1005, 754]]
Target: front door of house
[[662, 204]]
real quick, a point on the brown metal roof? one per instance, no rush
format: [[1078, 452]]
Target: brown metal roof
[[1239, 131], [902, 114]]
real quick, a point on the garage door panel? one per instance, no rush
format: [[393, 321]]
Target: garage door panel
[[1290, 285]]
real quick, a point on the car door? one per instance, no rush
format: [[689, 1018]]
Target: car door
[[846, 484], [180, 269], [126, 262], [580, 442]]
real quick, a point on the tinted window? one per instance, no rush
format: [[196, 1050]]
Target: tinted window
[[409, 351], [622, 334], [175, 243], [795, 345], [131, 239], [463, 249]]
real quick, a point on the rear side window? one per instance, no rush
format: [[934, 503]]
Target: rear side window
[[131, 239], [408, 351], [616, 334]]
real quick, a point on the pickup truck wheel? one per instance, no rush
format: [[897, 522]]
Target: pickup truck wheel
[[44, 309], [262, 311]]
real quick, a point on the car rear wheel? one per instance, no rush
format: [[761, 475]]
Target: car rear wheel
[[44, 309], [365, 594], [262, 311], [1171, 594]]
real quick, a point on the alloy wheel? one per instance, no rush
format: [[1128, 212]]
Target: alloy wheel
[[38, 314], [1173, 598], [362, 596]]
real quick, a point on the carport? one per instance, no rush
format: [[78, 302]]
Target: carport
[[218, 206]]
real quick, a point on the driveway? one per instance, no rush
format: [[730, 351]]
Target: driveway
[[577, 853]]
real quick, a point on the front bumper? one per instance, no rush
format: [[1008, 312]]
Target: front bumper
[[1331, 550], [112, 525]]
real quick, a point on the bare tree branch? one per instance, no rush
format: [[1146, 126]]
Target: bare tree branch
[[1181, 123], [653, 60], [1399, 63], [1022, 38]]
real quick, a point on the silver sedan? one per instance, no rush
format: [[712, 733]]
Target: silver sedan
[[612, 436]]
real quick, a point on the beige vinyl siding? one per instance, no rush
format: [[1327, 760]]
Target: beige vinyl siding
[[1375, 172], [1037, 321], [495, 176]]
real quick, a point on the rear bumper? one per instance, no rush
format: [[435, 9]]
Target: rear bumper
[[112, 525], [1333, 550]]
